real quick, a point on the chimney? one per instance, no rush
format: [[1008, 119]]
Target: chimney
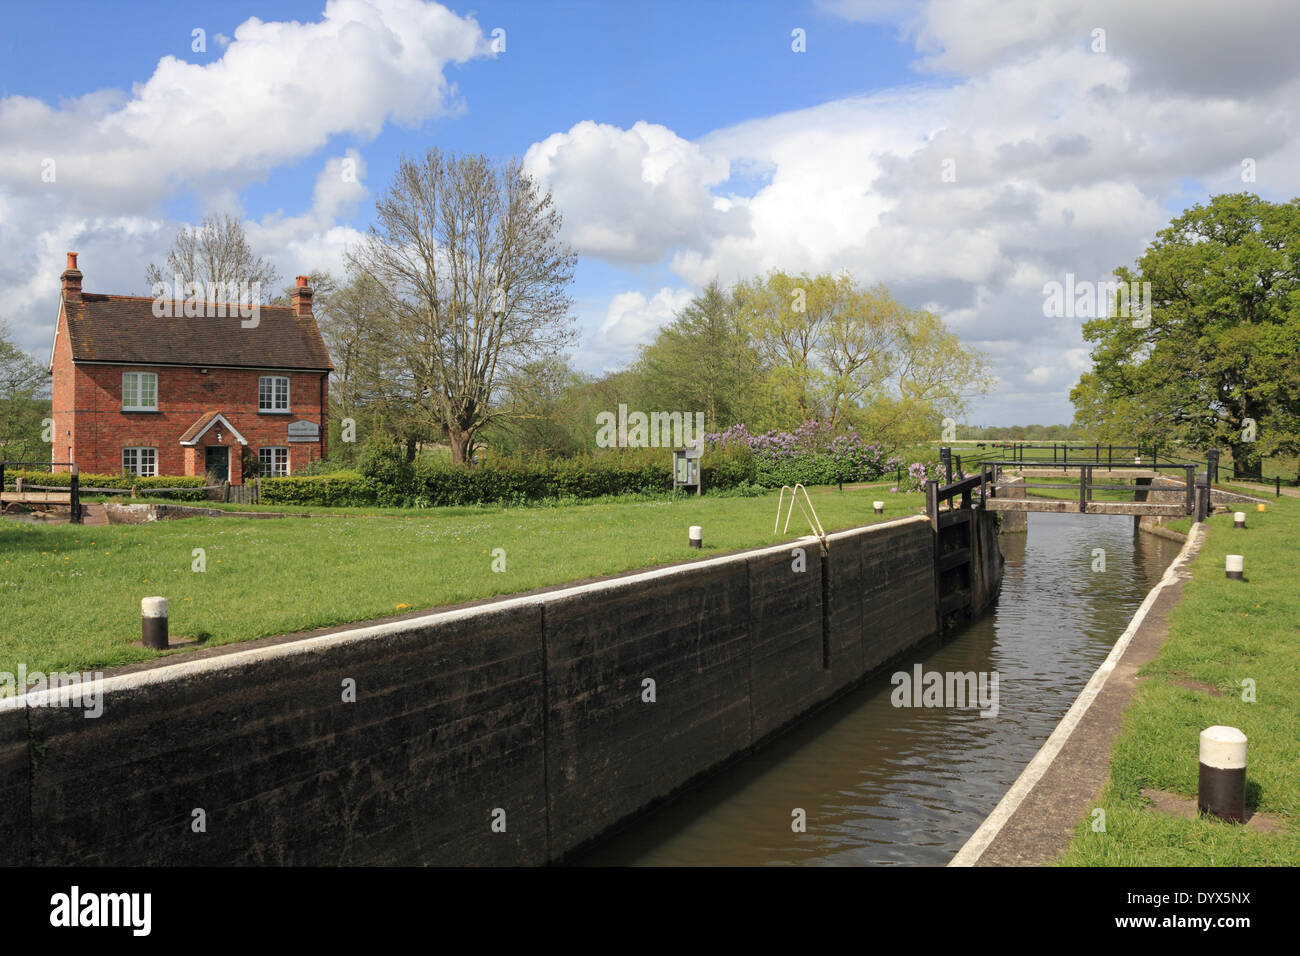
[[301, 298], [72, 280]]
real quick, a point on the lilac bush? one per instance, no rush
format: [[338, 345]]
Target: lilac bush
[[811, 454]]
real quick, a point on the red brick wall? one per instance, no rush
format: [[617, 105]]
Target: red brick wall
[[102, 429], [65, 433]]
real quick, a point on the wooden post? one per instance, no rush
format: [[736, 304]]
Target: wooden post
[[1083, 489], [74, 495], [932, 502]]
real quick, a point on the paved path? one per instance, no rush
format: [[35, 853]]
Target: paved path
[[94, 513], [1287, 491]]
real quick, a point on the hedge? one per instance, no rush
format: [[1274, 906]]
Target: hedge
[[341, 489], [63, 479], [435, 483]]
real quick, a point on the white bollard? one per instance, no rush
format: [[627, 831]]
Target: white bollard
[[1221, 788], [696, 534], [1235, 566], [879, 507], [153, 622], [1239, 519]]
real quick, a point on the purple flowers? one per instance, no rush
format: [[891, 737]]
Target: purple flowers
[[812, 453]]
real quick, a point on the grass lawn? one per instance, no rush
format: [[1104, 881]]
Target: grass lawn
[[1221, 633], [70, 595]]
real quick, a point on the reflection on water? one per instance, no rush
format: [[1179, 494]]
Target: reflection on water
[[909, 785]]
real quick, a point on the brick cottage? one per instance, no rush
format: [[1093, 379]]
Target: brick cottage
[[175, 395]]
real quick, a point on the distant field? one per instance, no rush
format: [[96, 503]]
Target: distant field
[[70, 595]]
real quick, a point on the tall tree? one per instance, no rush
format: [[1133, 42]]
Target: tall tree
[[703, 361], [216, 252], [24, 403], [469, 257], [1217, 362]]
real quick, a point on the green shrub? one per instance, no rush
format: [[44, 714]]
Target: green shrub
[[342, 489], [434, 482], [393, 475]]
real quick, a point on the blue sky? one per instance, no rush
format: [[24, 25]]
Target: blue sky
[[683, 140]]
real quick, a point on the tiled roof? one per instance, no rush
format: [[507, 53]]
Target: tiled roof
[[120, 328], [197, 428]]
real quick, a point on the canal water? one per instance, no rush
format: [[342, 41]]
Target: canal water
[[881, 784]]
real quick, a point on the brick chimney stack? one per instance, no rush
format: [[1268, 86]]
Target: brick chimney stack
[[71, 279], [301, 298]]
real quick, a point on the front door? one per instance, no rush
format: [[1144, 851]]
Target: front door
[[217, 463]]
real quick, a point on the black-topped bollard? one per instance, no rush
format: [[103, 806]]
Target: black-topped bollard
[[153, 622], [1221, 788]]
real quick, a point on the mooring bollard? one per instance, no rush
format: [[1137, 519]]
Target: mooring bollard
[[879, 507], [696, 536], [1235, 566], [153, 622], [1239, 519], [1221, 788]]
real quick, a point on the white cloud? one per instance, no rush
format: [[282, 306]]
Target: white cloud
[[278, 92], [276, 95], [1065, 161], [630, 196], [313, 240], [632, 318]]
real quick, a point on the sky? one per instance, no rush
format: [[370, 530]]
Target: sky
[[964, 153]]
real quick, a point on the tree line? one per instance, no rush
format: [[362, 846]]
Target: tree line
[[452, 327]]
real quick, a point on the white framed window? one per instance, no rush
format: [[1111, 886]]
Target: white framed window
[[139, 392], [273, 393], [273, 462], [140, 461]]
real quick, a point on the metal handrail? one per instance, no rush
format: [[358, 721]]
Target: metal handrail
[[809, 513]]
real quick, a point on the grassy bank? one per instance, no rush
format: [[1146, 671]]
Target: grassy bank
[[1221, 634], [70, 595]]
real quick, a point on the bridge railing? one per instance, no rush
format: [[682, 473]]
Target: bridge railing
[[1088, 485], [965, 488], [1061, 453], [74, 483]]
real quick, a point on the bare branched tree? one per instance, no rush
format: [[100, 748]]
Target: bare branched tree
[[215, 252], [468, 255]]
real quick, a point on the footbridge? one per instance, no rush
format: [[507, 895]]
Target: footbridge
[[1102, 479]]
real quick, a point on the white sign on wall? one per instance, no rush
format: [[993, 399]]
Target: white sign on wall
[[304, 431]]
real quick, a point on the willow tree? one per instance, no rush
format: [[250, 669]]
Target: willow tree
[[467, 254], [848, 354]]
